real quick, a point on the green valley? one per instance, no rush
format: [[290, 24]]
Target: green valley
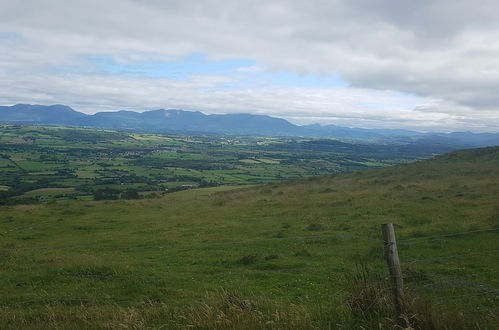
[[47, 163]]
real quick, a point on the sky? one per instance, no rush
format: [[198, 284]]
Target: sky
[[427, 65]]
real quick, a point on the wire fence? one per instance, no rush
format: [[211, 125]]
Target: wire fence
[[178, 246], [417, 240], [453, 256]]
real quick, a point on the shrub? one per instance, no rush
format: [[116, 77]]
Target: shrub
[[316, 227], [105, 194], [130, 194], [248, 259], [494, 217], [303, 253]]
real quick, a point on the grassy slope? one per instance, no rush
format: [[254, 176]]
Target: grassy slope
[[100, 257]]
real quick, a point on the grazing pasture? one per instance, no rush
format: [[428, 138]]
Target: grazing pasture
[[304, 254]]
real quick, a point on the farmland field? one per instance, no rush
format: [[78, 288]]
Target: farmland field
[[77, 163]]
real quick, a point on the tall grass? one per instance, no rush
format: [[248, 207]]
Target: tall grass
[[368, 305], [371, 305]]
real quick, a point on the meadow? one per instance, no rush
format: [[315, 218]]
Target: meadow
[[300, 254]]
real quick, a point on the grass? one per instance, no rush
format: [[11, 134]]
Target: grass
[[278, 255]]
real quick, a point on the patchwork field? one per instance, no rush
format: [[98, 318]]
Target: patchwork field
[[102, 164]]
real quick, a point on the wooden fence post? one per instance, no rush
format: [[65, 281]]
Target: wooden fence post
[[393, 261]]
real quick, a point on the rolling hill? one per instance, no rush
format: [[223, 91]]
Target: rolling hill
[[300, 254]]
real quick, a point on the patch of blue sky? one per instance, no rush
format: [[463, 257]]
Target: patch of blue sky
[[200, 64], [291, 79], [9, 36], [194, 64], [400, 100]]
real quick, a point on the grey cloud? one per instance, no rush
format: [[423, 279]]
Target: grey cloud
[[446, 51], [300, 105]]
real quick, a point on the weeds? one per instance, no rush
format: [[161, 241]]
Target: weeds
[[371, 305], [303, 253], [316, 227], [248, 259], [494, 217]]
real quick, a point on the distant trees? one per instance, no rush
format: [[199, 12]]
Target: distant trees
[[106, 194], [113, 194], [130, 194]]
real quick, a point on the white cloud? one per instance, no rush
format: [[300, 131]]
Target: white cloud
[[342, 106], [250, 69], [445, 52]]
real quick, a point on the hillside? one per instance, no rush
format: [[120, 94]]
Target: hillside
[[282, 255]]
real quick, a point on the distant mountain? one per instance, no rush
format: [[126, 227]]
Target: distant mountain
[[153, 121], [190, 122], [354, 133], [465, 139], [195, 122], [40, 114], [483, 139]]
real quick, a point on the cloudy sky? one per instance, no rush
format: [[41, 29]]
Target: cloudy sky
[[429, 65]]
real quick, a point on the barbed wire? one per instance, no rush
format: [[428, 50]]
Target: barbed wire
[[60, 300], [424, 239], [416, 240], [462, 284], [421, 279], [178, 246], [433, 280], [162, 276], [451, 256], [452, 297]]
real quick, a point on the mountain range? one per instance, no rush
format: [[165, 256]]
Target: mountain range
[[195, 122]]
